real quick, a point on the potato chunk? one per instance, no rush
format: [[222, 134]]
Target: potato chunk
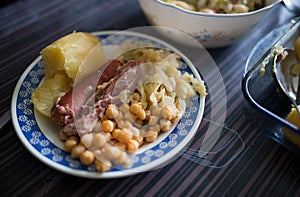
[[66, 61], [45, 96], [293, 118], [68, 54]]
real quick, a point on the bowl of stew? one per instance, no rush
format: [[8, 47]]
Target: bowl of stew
[[217, 23]]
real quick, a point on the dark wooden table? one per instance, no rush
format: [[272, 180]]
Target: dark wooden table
[[263, 168]]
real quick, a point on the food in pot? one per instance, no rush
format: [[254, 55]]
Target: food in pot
[[219, 6], [276, 51]]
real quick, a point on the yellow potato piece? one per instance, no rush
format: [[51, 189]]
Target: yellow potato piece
[[67, 60], [68, 54], [293, 118], [45, 96]]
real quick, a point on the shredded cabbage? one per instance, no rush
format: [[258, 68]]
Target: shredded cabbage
[[162, 83]]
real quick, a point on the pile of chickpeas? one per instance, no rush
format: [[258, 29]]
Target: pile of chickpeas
[[121, 130]]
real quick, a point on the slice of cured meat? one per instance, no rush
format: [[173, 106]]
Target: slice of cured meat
[[126, 78]]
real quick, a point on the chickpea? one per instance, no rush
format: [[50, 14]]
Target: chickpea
[[124, 124], [155, 128], [167, 113], [77, 151], [130, 117], [98, 154], [228, 8], [120, 117], [127, 124], [111, 111], [141, 114], [153, 120], [165, 125], [75, 138], [132, 146], [135, 108], [120, 145], [120, 124], [151, 136], [108, 126], [138, 123], [240, 8], [99, 140], [87, 157], [110, 152], [139, 139], [102, 165], [134, 101], [142, 132], [134, 131], [124, 137], [116, 133], [208, 11], [107, 135], [70, 143], [185, 5], [87, 139], [124, 108], [136, 96], [122, 158]]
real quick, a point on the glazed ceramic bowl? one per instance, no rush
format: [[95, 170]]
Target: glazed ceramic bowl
[[211, 30]]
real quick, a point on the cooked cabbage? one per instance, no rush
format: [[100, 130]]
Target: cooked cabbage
[[162, 83]]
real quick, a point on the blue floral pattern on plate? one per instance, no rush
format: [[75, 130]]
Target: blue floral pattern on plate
[[37, 142]]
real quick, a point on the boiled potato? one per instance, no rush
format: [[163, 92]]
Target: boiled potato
[[45, 96], [67, 60], [293, 118], [68, 54]]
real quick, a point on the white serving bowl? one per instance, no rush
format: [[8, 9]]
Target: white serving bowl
[[211, 30]]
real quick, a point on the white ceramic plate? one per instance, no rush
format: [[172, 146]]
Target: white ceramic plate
[[39, 134]]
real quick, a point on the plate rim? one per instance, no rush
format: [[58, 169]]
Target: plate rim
[[110, 174]]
